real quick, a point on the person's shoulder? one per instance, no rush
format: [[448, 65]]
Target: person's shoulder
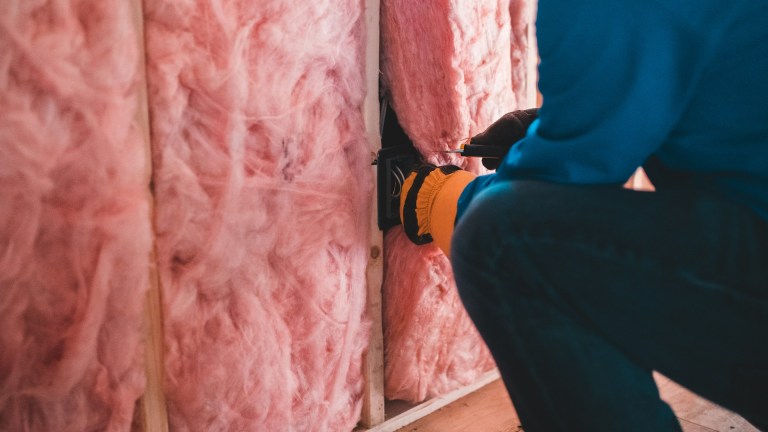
[[705, 14]]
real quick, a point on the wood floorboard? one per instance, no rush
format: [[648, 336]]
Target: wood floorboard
[[696, 410], [693, 427], [490, 410]]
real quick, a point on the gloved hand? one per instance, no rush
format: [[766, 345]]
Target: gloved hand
[[428, 203], [507, 130]]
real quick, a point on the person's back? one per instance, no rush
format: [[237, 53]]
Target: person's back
[[721, 138]]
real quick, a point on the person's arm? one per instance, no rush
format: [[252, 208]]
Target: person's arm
[[430, 194], [615, 77]]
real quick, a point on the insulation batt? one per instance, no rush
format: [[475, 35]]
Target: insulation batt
[[74, 221], [437, 347], [262, 180], [448, 69]]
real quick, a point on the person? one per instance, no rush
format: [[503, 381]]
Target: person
[[582, 288]]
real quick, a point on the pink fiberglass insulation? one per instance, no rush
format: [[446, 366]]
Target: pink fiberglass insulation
[[447, 66], [436, 348], [522, 13], [262, 186], [74, 221]]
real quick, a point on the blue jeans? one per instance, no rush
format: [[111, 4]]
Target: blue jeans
[[581, 292]]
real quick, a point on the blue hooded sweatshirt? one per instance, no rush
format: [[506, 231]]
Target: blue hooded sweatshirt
[[678, 86]]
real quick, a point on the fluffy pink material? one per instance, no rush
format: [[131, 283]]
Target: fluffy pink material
[[447, 67], [437, 347], [262, 184], [522, 13], [74, 222]]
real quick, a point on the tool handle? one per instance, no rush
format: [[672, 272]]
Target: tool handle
[[484, 151]]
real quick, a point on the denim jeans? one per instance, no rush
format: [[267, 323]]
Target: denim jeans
[[581, 292]]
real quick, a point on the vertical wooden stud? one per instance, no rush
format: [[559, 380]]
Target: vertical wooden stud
[[153, 410], [373, 363], [532, 60]]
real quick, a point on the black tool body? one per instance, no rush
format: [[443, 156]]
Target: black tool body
[[484, 151], [393, 164]]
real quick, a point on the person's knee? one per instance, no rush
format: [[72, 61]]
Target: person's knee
[[489, 223], [498, 213], [486, 241], [470, 240]]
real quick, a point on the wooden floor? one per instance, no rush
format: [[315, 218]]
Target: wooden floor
[[490, 410]]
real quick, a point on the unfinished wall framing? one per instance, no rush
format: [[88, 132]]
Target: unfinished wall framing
[[168, 138]]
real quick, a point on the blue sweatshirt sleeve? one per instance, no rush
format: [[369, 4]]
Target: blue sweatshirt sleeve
[[615, 78]]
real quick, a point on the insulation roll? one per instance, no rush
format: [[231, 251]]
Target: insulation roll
[[262, 184], [75, 233], [432, 346]]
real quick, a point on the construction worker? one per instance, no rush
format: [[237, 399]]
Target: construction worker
[[582, 288]]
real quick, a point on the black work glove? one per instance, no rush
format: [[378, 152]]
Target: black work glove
[[507, 130]]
